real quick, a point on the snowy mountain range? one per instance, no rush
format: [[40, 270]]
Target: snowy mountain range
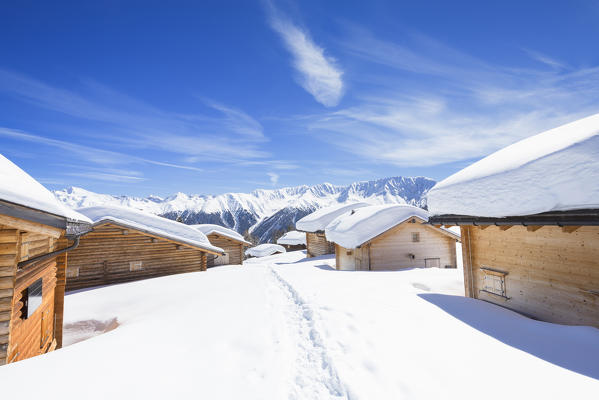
[[261, 212]]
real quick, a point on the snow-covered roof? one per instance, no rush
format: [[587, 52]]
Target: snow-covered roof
[[319, 219], [266, 249], [293, 238], [213, 229], [18, 187], [151, 224], [557, 170], [358, 226]]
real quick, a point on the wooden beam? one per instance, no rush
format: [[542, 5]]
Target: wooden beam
[[533, 228], [569, 229], [29, 226], [483, 227], [505, 227]]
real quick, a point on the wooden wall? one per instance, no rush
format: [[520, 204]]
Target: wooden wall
[[391, 250], [318, 245], [104, 256], [552, 274], [294, 247], [232, 247], [24, 338]]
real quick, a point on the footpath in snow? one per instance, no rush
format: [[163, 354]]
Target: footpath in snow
[[286, 327]]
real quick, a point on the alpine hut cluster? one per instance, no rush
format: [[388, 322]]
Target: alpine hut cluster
[[35, 233], [529, 217], [314, 227]]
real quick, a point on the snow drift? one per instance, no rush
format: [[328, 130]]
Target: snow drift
[[556, 170]]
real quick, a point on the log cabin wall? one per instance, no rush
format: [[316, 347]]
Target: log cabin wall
[[295, 247], [233, 248], [550, 274], [393, 249], [113, 254], [26, 335], [318, 245]]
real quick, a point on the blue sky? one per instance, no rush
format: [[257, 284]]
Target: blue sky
[[207, 97]]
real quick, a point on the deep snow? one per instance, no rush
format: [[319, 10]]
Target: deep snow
[[288, 327], [556, 170]]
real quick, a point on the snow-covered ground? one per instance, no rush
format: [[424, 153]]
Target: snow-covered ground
[[288, 327]]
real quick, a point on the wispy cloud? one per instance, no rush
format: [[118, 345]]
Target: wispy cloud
[[221, 133], [103, 176], [318, 73], [274, 178], [437, 105]]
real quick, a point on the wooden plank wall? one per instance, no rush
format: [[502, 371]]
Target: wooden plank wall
[[552, 274], [24, 338], [391, 250], [318, 245], [8, 261], [232, 247], [104, 256]]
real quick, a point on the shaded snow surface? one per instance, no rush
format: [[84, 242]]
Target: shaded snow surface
[[556, 170], [286, 327]]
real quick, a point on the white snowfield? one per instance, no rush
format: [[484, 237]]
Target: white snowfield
[[556, 170], [319, 219], [360, 225], [286, 327], [149, 223], [209, 229], [18, 187], [265, 249], [292, 238]]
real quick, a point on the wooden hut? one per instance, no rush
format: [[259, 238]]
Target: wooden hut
[[529, 216], [293, 241], [128, 245], [313, 225], [390, 237], [230, 241], [35, 230]]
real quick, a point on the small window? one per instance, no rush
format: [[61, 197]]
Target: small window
[[31, 298], [415, 236], [135, 266], [72, 272], [494, 282]]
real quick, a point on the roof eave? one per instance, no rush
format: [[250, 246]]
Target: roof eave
[[581, 217]]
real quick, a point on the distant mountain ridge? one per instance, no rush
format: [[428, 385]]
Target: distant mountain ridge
[[262, 212]]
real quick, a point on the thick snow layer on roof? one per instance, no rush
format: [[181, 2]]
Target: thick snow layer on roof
[[18, 187], [266, 249], [292, 238], [150, 223], [209, 229], [355, 227], [319, 219], [556, 170]]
